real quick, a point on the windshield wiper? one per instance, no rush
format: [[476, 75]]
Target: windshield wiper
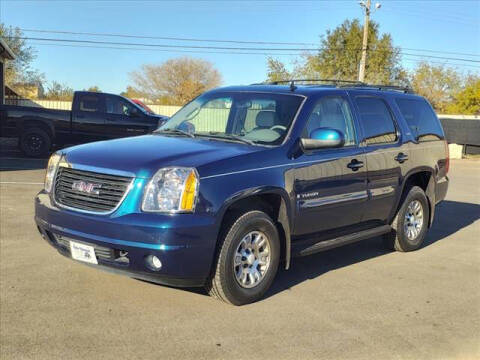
[[219, 135], [176, 131]]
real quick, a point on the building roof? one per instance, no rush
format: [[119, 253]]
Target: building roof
[[5, 51]]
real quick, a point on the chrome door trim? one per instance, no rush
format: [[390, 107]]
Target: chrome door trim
[[331, 199]]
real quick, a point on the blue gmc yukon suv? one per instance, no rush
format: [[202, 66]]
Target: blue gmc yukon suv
[[243, 179]]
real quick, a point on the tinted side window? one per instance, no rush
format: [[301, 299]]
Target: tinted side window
[[89, 103], [420, 119], [332, 112], [377, 121], [118, 106]]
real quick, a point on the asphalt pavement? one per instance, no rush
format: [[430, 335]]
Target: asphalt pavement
[[355, 302]]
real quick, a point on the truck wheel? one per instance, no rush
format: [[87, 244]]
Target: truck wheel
[[247, 260], [410, 224], [35, 142]]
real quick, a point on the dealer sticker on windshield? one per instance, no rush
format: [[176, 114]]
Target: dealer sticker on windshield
[[82, 252]]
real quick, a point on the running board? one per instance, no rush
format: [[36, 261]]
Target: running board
[[323, 245]]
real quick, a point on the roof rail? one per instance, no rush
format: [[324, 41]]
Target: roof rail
[[331, 81], [339, 83], [404, 89]]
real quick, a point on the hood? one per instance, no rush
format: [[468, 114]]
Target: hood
[[144, 155]]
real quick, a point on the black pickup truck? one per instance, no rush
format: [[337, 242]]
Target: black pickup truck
[[94, 116]]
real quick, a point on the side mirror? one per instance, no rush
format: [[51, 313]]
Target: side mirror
[[322, 138]]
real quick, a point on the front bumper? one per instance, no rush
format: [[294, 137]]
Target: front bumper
[[185, 243]]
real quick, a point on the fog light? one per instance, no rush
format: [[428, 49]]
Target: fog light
[[153, 262]]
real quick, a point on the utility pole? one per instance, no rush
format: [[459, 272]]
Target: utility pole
[[363, 62]]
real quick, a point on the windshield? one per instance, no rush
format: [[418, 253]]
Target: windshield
[[260, 118]]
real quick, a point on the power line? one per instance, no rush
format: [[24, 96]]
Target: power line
[[167, 45], [227, 53], [219, 41], [166, 38], [440, 63], [440, 52], [223, 48], [165, 50]]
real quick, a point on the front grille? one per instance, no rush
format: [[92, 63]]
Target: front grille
[[90, 191]]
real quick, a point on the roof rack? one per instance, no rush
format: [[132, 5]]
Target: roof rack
[[404, 89], [339, 83], [331, 81]]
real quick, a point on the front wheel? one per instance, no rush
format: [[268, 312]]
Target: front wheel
[[247, 260]]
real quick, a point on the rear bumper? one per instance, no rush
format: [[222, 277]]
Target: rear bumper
[[185, 243]]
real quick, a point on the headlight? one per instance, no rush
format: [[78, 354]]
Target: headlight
[[171, 190], [51, 170]]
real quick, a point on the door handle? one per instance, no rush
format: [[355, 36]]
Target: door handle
[[355, 165], [401, 157]]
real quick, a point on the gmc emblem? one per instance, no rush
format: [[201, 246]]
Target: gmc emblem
[[86, 187]]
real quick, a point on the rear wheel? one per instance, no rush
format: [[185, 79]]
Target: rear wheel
[[247, 260], [35, 142], [411, 222]]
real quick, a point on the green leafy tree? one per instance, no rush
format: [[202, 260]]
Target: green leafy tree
[[19, 71], [437, 83], [57, 91], [340, 53], [467, 101], [277, 70]]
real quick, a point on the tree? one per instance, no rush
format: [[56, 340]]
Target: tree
[[340, 53], [277, 70], [57, 91], [132, 93], [94, 88], [176, 81], [467, 101], [438, 84], [19, 71]]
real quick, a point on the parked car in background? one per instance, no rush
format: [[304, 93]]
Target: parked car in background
[[94, 116], [243, 179], [144, 106]]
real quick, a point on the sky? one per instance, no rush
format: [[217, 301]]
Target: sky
[[443, 26]]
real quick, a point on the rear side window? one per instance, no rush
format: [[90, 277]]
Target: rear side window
[[377, 121], [420, 119], [89, 103]]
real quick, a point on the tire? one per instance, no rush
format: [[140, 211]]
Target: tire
[[403, 225], [253, 227], [35, 142]]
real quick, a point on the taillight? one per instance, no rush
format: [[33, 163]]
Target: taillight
[[447, 159]]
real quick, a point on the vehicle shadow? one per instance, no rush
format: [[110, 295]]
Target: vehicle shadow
[[450, 217]]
